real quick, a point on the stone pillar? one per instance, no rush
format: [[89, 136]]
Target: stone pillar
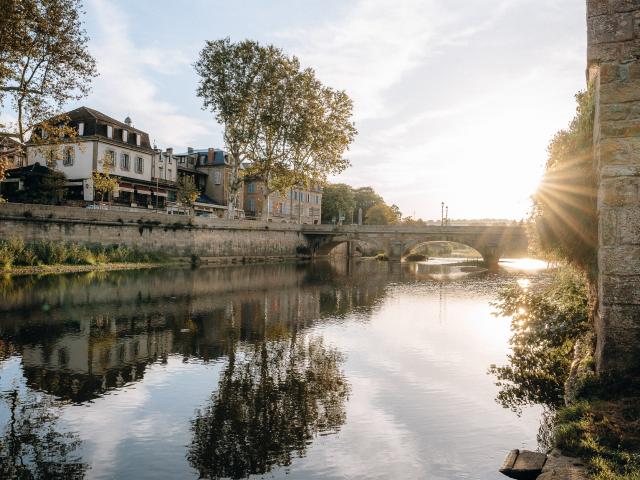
[[614, 71]]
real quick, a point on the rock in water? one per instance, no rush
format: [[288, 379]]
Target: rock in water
[[523, 464]]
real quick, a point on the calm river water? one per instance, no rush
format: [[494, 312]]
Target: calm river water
[[373, 370]]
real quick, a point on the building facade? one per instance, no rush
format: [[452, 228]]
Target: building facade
[[297, 206], [11, 149], [106, 144]]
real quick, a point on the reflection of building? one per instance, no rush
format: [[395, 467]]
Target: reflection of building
[[104, 140], [303, 206]]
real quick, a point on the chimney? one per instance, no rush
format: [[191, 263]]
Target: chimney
[[128, 121], [170, 151], [189, 149], [210, 153]]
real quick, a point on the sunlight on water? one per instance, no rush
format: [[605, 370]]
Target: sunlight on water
[[525, 264]]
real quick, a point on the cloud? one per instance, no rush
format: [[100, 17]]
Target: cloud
[[126, 85]]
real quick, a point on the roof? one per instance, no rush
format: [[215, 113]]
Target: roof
[[81, 112], [35, 169]]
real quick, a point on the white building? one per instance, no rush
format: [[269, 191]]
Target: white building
[[103, 143]]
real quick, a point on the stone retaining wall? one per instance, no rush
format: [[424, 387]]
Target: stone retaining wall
[[175, 235]]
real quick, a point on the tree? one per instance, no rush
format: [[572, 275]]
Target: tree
[[103, 182], [396, 211], [564, 206], [366, 197], [233, 79], [47, 62], [337, 198], [380, 214], [279, 121], [188, 192]]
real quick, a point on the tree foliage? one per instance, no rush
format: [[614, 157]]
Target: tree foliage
[[187, 192], [337, 198], [279, 121], [366, 197], [103, 182], [44, 61], [565, 210], [381, 214], [546, 322]]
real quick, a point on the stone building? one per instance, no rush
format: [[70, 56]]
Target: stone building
[[104, 140], [297, 206]]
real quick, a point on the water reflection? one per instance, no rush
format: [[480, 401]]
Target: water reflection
[[231, 372], [273, 399], [32, 444]]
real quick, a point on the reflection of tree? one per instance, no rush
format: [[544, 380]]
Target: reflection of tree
[[272, 400], [31, 445]]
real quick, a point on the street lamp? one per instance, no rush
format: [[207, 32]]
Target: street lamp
[[442, 214], [446, 216]]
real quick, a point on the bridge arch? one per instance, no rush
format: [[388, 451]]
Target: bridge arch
[[411, 245], [358, 244]]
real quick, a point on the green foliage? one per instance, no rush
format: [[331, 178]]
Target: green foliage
[[365, 198], [337, 198], [564, 207], [546, 322], [381, 214], [15, 253]]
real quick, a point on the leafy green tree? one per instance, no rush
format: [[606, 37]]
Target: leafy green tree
[[380, 214], [103, 182], [47, 62], [337, 198], [565, 210], [366, 197]]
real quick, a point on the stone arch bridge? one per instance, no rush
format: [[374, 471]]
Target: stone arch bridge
[[491, 241]]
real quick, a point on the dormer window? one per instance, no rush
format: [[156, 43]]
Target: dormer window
[[81, 129], [138, 139], [125, 135], [109, 131]]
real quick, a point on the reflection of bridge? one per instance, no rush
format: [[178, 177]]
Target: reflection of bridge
[[491, 241]]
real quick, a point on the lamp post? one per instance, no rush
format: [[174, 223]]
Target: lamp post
[[446, 215], [442, 214]]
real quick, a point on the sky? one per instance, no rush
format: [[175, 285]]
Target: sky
[[455, 101]]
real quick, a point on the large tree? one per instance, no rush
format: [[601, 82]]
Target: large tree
[[44, 62], [337, 198], [366, 197], [381, 214], [279, 121]]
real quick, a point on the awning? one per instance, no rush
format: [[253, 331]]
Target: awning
[[73, 184], [125, 189], [161, 194], [143, 191]]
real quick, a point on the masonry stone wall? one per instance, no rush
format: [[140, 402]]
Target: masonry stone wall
[[614, 70], [175, 235]]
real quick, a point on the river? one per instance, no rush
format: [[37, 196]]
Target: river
[[324, 370]]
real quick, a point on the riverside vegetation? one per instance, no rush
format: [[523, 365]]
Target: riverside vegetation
[[553, 340], [16, 253]]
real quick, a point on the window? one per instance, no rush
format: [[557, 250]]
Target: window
[[216, 177], [139, 165], [138, 139], [160, 174], [251, 188], [81, 129], [124, 161], [110, 158], [169, 174], [68, 156], [251, 204], [109, 131], [125, 136]]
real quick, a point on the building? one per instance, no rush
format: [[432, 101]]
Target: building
[[297, 206], [210, 170], [11, 149], [102, 140]]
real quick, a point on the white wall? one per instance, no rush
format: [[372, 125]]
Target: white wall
[[82, 164], [131, 173]]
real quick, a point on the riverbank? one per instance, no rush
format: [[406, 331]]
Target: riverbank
[[551, 363]]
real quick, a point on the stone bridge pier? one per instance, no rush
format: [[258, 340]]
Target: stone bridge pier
[[614, 73]]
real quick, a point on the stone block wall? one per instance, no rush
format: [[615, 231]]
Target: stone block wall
[[614, 71], [177, 236]]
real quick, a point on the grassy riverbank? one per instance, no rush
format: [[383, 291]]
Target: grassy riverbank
[[18, 257], [551, 363]]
